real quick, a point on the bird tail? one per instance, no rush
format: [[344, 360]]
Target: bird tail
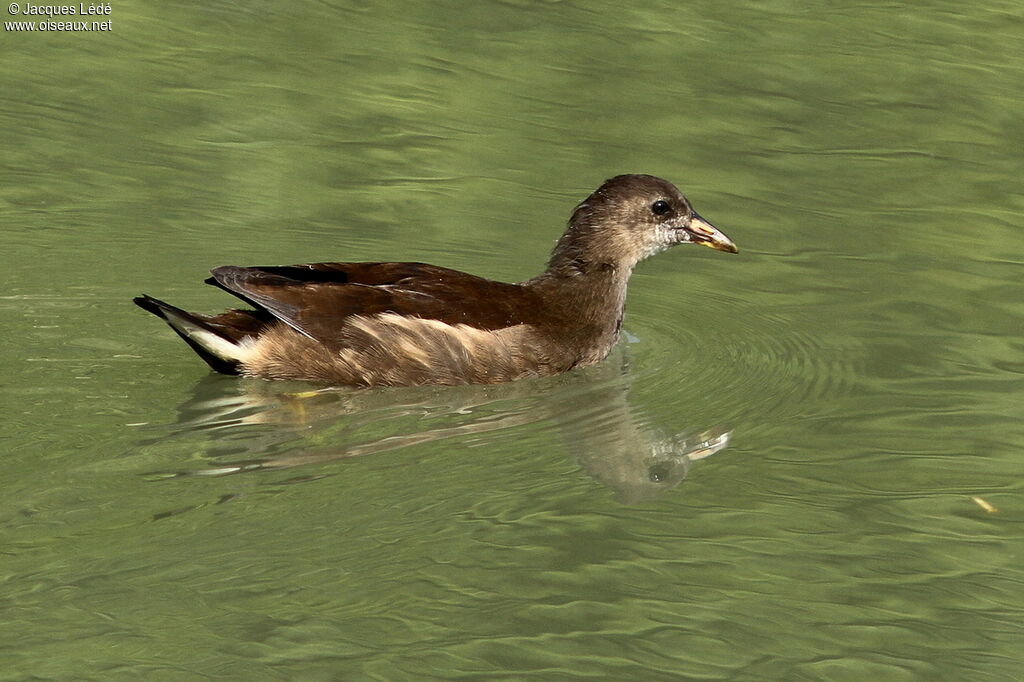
[[211, 342]]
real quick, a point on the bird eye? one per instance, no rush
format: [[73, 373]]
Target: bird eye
[[660, 207]]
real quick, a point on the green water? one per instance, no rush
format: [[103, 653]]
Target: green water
[[861, 359]]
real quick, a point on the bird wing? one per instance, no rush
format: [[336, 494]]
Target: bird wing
[[316, 298]]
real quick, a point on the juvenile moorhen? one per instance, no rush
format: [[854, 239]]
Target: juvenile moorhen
[[404, 324]]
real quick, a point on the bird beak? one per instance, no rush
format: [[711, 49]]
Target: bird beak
[[704, 233]]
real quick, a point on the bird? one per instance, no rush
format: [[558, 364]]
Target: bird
[[407, 324]]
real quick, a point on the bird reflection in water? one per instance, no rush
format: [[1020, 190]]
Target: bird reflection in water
[[264, 426]]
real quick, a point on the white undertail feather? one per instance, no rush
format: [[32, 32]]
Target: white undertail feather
[[224, 349]]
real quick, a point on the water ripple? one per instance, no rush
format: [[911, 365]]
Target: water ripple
[[752, 354]]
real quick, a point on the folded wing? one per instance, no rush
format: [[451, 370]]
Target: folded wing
[[315, 299]]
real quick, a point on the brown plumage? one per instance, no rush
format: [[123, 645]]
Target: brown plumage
[[403, 324]]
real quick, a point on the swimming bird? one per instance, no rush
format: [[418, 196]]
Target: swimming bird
[[406, 324]]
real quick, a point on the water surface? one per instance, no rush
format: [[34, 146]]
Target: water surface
[[772, 478]]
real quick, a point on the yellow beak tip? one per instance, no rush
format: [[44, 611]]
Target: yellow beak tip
[[727, 247]]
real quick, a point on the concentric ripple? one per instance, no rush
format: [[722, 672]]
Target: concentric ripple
[[750, 355]]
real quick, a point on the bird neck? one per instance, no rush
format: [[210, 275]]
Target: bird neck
[[589, 298]]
